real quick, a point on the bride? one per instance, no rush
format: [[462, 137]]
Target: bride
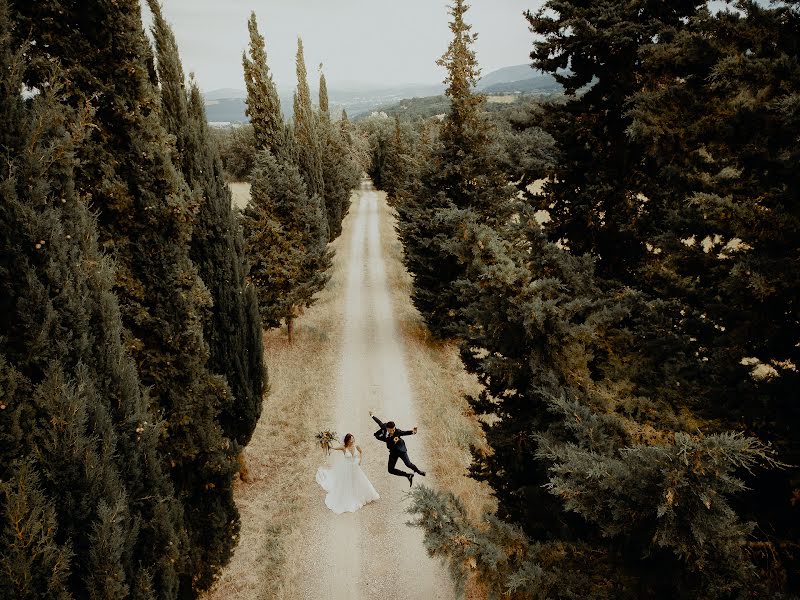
[[347, 486]]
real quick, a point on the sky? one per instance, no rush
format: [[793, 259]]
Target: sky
[[375, 42]]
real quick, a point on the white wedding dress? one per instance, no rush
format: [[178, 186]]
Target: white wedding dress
[[347, 486]]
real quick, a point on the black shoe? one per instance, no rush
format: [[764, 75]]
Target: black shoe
[[410, 479], [421, 473]]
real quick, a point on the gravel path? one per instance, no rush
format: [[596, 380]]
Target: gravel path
[[371, 553]]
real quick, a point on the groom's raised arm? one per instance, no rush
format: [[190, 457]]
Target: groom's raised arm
[[382, 431], [401, 432]]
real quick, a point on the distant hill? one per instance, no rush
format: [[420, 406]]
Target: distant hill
[[518, 79], [540, 85], [228, 105], [506, 75], [224, 93], [226, 110]]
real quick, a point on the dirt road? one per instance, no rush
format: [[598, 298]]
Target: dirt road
[[371, 553]]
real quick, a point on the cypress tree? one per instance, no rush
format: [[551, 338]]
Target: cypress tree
[[307, 135], [338, 171], [324, 104], [285, 235], [81, 451], [462, 180], [285, 227], [378, 135], [345, 127], [613, 344], [263, 102], [232, 327], [332, 160], [401, 169], [145, 217]]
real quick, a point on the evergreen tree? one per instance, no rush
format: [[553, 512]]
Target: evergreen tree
[[462, 178], [324, 104], [724, 117], [80, 449], [237, 150], [332, 156], [285, 235], [624, 345], [33, 564], [145, 218], [263, 102], [376, 130], [285, 227], [338, 171], [307, 136], [593, 50], [232, 327], [401, 167]]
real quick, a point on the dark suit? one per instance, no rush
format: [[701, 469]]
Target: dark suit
[[397, 448]]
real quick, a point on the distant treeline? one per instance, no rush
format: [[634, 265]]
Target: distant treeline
[[621, 268]]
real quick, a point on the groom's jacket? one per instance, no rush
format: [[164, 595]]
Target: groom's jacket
[[394, 442]]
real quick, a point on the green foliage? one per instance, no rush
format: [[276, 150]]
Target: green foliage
[[285, 225], [33, 564], [634, 324], [502, 560], [81, 468], [232, 326], [263, 102], [309, 149], [145, 215], [286, 236], [237, 150], [461, 179], [338, 169]]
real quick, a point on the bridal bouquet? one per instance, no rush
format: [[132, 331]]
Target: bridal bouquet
[[325, 438]]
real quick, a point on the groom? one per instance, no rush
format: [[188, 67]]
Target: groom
[[397, 447]]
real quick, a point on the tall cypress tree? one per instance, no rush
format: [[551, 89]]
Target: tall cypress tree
[[337, 168], [307, 135], [617, 379], [263, 102], [232, 327], [94, 514], [285, 227], [324, 103], [462, 181], [145, 218]]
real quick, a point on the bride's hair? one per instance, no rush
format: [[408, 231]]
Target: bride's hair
[[347, 439]]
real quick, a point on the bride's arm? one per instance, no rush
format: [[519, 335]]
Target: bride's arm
[[360, 455]]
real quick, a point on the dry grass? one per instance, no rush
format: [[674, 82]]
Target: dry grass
[[282, 453]]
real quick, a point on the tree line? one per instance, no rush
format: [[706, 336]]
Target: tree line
[[620, 268], [133, 300], [302, 177]]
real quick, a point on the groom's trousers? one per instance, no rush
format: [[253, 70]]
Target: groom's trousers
[[393, 456]]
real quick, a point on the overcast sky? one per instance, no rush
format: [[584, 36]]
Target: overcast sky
[[365, 41]]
